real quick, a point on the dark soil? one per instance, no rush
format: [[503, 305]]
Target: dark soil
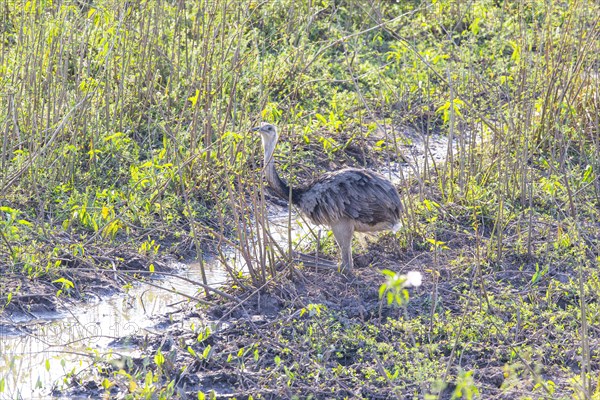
[[322, 335], [249, 336], [255, 321]]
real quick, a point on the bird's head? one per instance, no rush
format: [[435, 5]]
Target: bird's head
[[268, 133]]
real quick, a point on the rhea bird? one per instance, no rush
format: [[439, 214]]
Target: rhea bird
[[347, 200]]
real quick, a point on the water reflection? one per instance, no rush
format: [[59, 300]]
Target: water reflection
[[38, 350]]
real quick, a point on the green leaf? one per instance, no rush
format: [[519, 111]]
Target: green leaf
[[588, 174], [206, 353], [106, 384], [65, 282], [105, 212], [382, 290], [194, 98], [114, 136], [389, 273], [148, 379], [159, 359], [321, 118], [475, 26]]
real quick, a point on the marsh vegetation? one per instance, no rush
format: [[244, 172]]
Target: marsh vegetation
[[124, 144]]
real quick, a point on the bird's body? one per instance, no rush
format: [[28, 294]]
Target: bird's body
[[361, 195], [346, 200]]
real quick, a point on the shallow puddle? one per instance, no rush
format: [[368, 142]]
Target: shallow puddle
[[38, 350]]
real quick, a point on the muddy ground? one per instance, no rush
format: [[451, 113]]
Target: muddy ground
[[268, 320], [318, 334], [321, 335]]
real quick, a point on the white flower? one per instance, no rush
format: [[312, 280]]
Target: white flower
[[413, 278]]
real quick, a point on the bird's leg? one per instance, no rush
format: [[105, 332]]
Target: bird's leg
[[342, 231]]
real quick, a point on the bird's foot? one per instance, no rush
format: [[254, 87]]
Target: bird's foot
[[346, 271]]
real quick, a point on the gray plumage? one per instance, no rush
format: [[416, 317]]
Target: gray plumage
[[347, 200]]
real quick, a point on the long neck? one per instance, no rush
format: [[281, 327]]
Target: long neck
[[277, 184]]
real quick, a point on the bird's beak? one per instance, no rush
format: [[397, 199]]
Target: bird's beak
[[255, 129]]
